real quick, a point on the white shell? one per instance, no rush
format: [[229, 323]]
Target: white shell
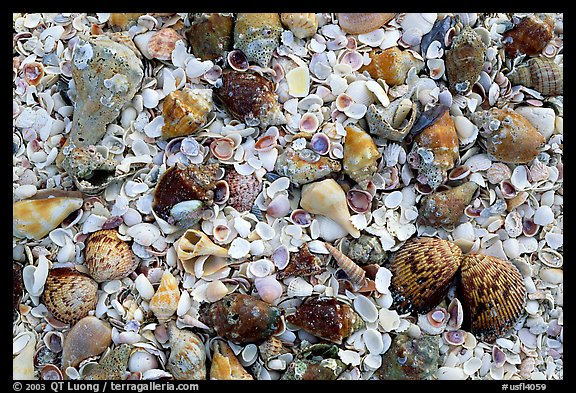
[[239, 248], [260, 268], [388, 319], [144, 287], [472, 365], [451, 373], [144, 233], [373, 341], [382, 280], [281, 257], [543, 216], [141, 360], [519, 178], [365, 308], [215, 291], [394, 199], [479, 162], [358, 91], [299, 287], [268, 288]]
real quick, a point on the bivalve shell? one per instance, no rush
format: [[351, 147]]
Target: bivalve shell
[[107, 256], [162, 43], [89, 337]]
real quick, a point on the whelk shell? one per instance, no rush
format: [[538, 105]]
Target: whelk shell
[[185, 112], [194, 243], [360, 155], [543, 75], [107, 256], [164, 303], [529, 36]]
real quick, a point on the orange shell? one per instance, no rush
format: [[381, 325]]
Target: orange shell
[[108, 257], [123, 20], [164, 303], [184, 113], [360, 23], [33, 72], [225, 365], [360, 154], [162, 43], [392, 65], [442, 139]]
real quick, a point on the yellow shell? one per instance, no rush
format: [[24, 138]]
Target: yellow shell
[[164, 303], [195, 243], [302, 25], [123, 20], [35, 218], [360, 155], [108, 257], [185, 111], [187, 359], [392, 65], [225, 365]]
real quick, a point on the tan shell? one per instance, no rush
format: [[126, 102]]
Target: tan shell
[[392, 65], [539, 74], [360, 23], [465, 60], [164, 303], [89, 337], [194, 243], [394, 121], [108, 257], [302, 25], [187, 359], [355, 273], [185, 112], [225, 365], [123, 20], [35, 218], [446, 207], [360, 155], [162, 43]]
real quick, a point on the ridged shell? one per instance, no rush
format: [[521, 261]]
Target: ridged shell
[[162, 43], [35, 218], [360, 155], [111, 367], [360, 23], [493, 295], [302, 263], [89, 337], [271, 347], [446, 207], [108, 257], [394, 121], [164, 303], [243, 190], [242, 318], [69, 294], [392, 65], [541, 74], [187, 359], [326, 318], [210, 35], [355, 273], [250, 97], [422, 270], [304, 166], [257, 35], [225, 365], [529, 36], [465, 60], [302, 25], [185, 111]]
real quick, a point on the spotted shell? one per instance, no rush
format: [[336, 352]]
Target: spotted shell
[[446, 207], [210, 35], [422, 270], [465, 60], [360, 155], [162, 43], [304, 166], [543, 75], [164, 303], [243, 190], [392, 65], [493, 295], [360, 23], [185, 112], [316, 362], [257, 35], [187, 359], [302, 25], [529, 36], [108, 257]]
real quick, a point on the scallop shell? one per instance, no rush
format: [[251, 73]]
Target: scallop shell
[[257, 35], [185, 112], [465, 60], [89, 337], [35, 218], [225, 365], [210, 35], [392, 65], [394, 121], [543, 75], [301, 264], [108, 257], [422, 270], [244, 190], [360, 155], [162, 43], [360, 23], [302, 25], [446, 207], [69, 294], [493, 295], [304, 166], [529, 36], [355, 273], [187, 359], [164, 303]]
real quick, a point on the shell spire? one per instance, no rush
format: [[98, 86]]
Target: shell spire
[[164, 303], [355, 273]]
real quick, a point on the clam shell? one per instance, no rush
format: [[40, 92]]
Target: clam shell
[[187, 359], [164, 303], [493, 295], [185, 112], [360, 23], [446, 207], [244, 190], [35, 218], [89, 337], [392, 65], [107, 256]]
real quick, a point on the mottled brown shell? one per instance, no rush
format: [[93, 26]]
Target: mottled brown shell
[[493, 295], [69, 294], [529, 36], [392, 65], [107, 256], [243, 190], [210, 35], [422, 271], [446, 207], [302, 263], [184, 112], [360, 23], [540, 74], [326, 318], [465, 61]]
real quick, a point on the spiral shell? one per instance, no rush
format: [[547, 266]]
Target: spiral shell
[[210, 35], [394, 121], [302, 25], [392, 65], [164, 303], [304, 166], [257, 35], [446, 207], [541, 74], [465, 60], [187, 359], [185, 111], [108, 257], [35, 218], [355, 273], [225, 365], [360, 155], [360, 23], [529, 36]]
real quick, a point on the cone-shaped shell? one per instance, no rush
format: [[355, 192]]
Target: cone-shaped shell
[[250, 97], [514, 139], [210, 35], [113, 366], [540, 74], [185, 111], [465, 61], [69, 294], [304, 166], [187, 359], [164, 303], [35, 218], [242, 318], [422, 271], [257, 35], [194, 243], [392, 65], [302, 25], [493, 295], [355, 273], [107, 256], [360, 23], [360, 155], [446, 207], [327, 198], [225, 365], [529, 36], [326, 318], [89, 337]]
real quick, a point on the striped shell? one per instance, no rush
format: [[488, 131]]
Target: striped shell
[[355, 273], [187, 359], [302, 25], [422, 271], [35, 218], [360, 23], [493, 295], [540, 74], [164, 303], [185, 111], [69, 294], [107, 256], [392, 65]]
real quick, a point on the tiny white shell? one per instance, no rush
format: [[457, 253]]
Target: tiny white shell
[[393, 200], [451, 373], [260, 268], [519, 178], [239, 248], [472, 365], [543, 216], [373, 341], [141, 360], [382, 280], [144, 233], [388, 319]]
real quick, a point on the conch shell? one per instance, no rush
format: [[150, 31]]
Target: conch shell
[[225, 365], [195, 243], [327, 198], [187, 359], [164, 303], [185, 111], [394, 121], [360, 155], [392, 65]]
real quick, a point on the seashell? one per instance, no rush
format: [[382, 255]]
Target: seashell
[[360, 23], [89, 337], [493, 293], [498, 172], [339, 320], [266, 143], [222, 148], [301, 264], [164, 303], [422, 270], [394, 121], [194, 243], [529, 228], [111, 367], [315, 362], [221, 192], [509, 137], [459, 173], [279, 206], [543, 75], [365, 250], [529, 36], [304, 166], [33, 73], [107, 256], [355, 273], [257, 35], [269, 289], [308, 123], [392, 65], [454, 337], [250, 97], [187, 359], [123, 20], [35, 218], [437, 33], [359, 201], [302, 25], [141, 360], [465, 60], [162, 43], [328, 199], [50, 373], [17, 285], [299, 287], [23, 362], [194, 182], [446, 207], [210, 35], [320, 143], [360, 155], [237, 60], [298, 80], [185, 112], [242, 318], [69, 294], [456, 314], [225, 364], [244, 190], [434, 322]]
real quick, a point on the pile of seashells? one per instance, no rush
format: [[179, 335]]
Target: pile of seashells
[[287, 196]]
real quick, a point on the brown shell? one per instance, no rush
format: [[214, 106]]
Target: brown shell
[[529, 36], [210, 35], [360, 23], [184, 112], [225, 365], [302, 25], [89, 337], [242, 318], [540, 74], [360, 155], [392, 65], [250, 97], [442, 139], [123, 20], [69, 294], [446, 207], [493, 295], [108, 257], [465, 60], [194, 182], [326, 318], [302, 263], [162, 43], [243, 190], [422, 271]]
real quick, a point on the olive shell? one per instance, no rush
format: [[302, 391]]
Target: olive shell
[[107, 256]]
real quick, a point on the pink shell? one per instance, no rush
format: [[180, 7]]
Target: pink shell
[[354, 59], [266, 143], [455, 337], [437, 316], [33, 72], [301, 217], [308, 123], [162, 43], [508, 190], [529, 228], [343, 102], [459, 173], [279, 206], [222, 148], [359, 201], [320, 143]]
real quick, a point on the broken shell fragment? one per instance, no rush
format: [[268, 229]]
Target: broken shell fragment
[[317, 362], [394, 121], [302, 25], [304, 166], [244, 190], [301, 264], [107, 256], [410, 358], [185, 111], [164, 303], [113, 366], [365, 250], [225, 365], [446, 207], [194, 243]]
